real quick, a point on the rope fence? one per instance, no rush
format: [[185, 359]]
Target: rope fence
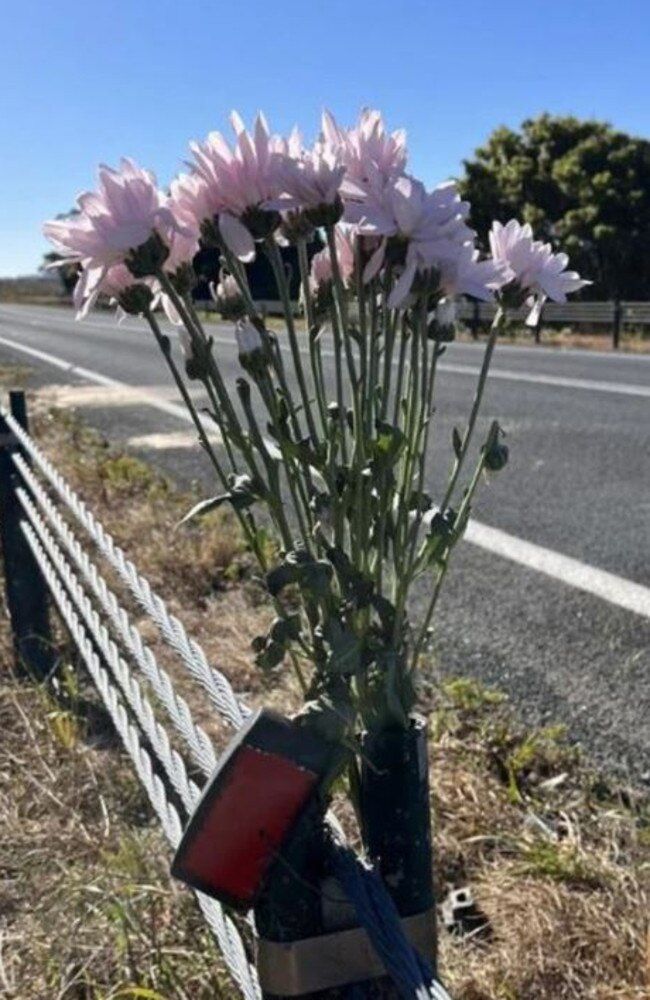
[[93, 614]]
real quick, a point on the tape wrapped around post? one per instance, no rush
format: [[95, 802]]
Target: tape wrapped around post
[[329, 961]]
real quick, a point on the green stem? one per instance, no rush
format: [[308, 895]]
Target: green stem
[[275, 258], [314, 341], [246, 521], [478, 396]]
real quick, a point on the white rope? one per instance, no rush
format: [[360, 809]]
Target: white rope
[[195, 737], [215, 683], [170, 759], [225, 931]]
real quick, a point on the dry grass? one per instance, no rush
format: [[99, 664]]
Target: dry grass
[[88, 910], [556, 858], [631, 342]]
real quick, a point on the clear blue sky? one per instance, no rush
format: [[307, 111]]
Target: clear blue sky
[[86, 82]]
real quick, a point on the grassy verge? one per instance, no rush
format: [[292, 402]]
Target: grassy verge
[[556, 856]]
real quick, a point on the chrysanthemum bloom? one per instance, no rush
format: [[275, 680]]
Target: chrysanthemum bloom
[[310, 181], [240, 182], [118, 284], [465, 273], [115, 222], [535, 268], [369, 154], [321, 263], [418, 230]]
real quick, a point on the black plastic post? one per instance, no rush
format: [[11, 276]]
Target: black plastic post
[[616, 326], [291, 907], [396, 817], [25, 588]]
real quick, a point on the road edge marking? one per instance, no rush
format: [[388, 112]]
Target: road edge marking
[[600, 583]]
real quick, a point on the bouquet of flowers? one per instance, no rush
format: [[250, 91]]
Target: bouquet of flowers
[[326, 434]]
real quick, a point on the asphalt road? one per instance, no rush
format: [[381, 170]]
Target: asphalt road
[[567, 638]]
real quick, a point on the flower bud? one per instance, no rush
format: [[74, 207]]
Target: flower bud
[[253, 347], [496, 453], [195, 366], [228, 298], [443, 325], [496, 457]]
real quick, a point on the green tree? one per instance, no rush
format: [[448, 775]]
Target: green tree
[[582, 185], [67, 273]]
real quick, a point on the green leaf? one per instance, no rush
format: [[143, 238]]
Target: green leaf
[[345, 648], [355, 586], [271, 656], [441, 536], [299, 567], [285, 629], [204, 507], [243, 492], [389, 442]]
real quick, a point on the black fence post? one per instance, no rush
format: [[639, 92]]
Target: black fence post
[[618, 322], [25, 588]]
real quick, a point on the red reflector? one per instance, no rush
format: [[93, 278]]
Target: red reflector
[[257, 803], [249, 807]]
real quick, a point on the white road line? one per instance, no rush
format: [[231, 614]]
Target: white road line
[[607, 586], [563, 381], [173, 439], [543, 351], [505, 374], [148, 397], [598, 582]]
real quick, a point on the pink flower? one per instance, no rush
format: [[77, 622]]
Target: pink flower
[[239, 181], [428, 228], [367, 151], [466, 274], [533, 265], [121, 216], [309, 178], [193, 200], [111, 282], [183, 247], [321, 263], [320, 272]]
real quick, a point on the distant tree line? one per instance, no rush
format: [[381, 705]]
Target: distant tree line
[[583, 186]]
